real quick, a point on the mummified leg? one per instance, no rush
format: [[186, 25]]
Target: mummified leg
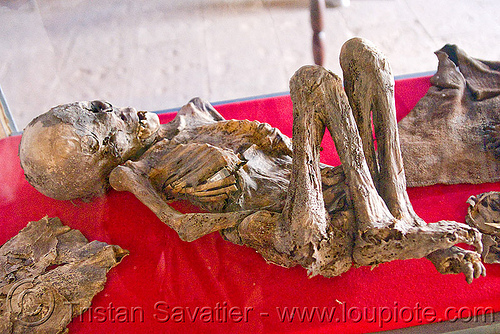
[[305, 217], [322, 91], [381, 236], [306, 227], [370, 87], [304, 233]]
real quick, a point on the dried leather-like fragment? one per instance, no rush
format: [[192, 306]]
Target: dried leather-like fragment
[[452, 135], [49, 274], [484, 214]]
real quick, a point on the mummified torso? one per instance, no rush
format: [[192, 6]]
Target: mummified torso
[[228, 165]]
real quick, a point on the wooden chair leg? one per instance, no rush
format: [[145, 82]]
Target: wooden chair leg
[[318, 8]]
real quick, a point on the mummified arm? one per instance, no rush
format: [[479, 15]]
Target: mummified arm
[[189, 226]]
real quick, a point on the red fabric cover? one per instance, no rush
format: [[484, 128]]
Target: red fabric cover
[[210, 278]]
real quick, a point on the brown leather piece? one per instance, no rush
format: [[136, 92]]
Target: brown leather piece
[[452, 135]]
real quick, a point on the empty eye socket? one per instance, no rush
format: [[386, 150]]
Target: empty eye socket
[[101, 106]]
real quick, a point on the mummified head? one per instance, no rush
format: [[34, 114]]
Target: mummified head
[[69, 151]]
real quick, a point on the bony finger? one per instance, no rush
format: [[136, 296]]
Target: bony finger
[[189, 175], [478, 244], [215, 198], [478, 269], [219, 181], [175, 164], [469, 272], [483, 270]]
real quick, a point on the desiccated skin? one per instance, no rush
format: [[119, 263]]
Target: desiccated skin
[[49, 274], [264, 191]]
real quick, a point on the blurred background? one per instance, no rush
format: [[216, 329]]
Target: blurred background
[[156, 55]]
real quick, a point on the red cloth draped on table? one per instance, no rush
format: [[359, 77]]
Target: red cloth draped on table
[[212, 285]]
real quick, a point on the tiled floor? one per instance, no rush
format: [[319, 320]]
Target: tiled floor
[[158, 54]]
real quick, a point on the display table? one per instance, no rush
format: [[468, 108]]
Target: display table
[[210, 285]]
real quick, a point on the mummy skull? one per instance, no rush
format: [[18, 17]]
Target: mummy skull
[[68, 152]]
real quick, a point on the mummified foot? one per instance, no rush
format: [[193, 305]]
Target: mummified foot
[[455, 260], [379, 245]]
